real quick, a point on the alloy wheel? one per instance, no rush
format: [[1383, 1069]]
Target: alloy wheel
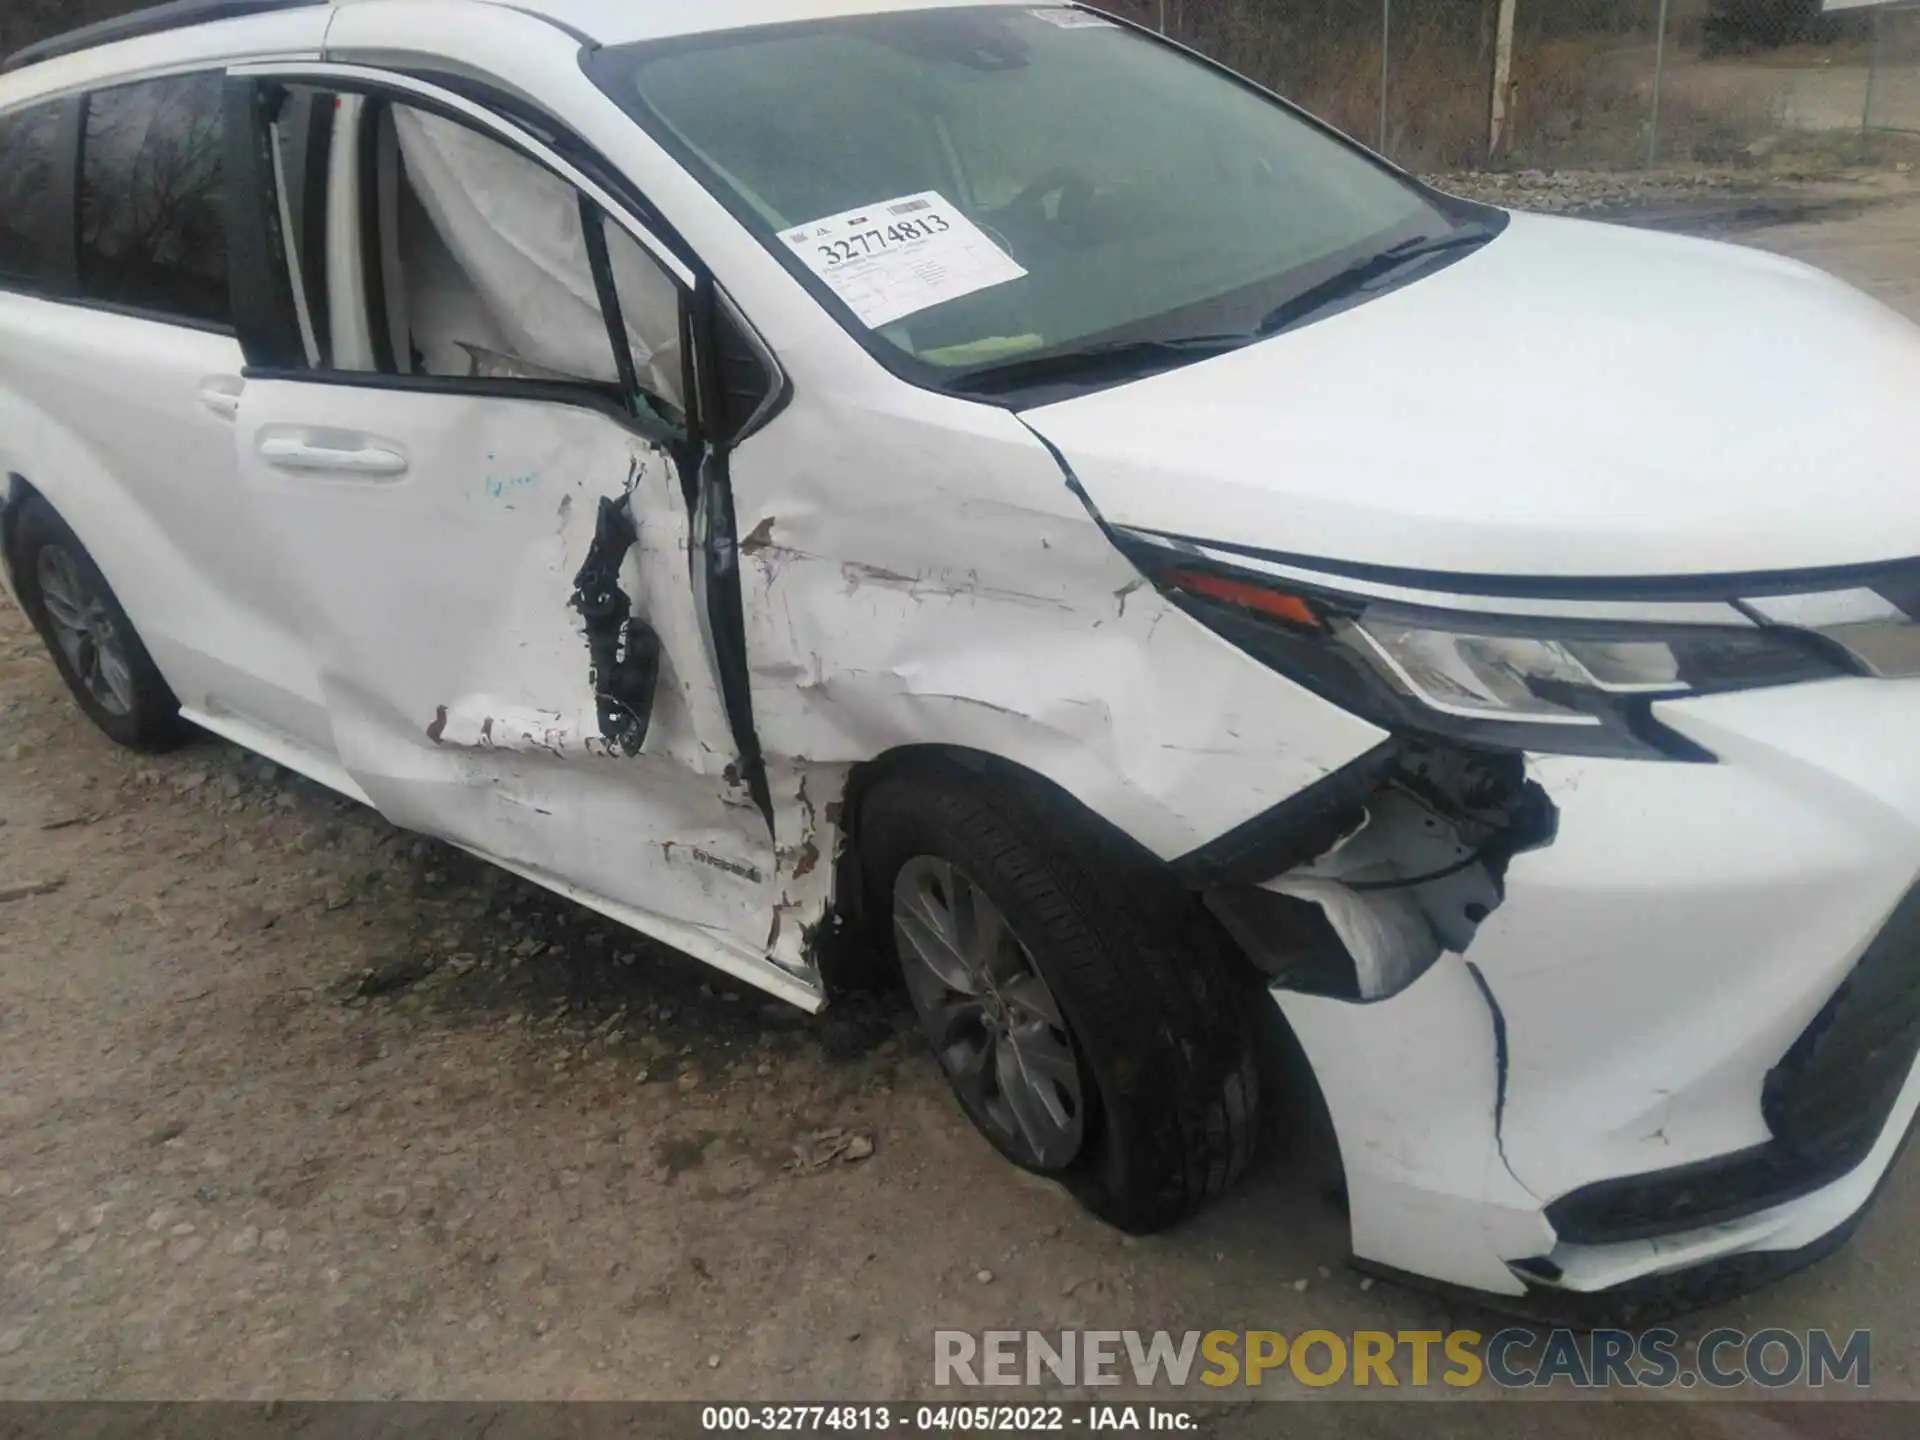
[[84, 629], [994, 1024]]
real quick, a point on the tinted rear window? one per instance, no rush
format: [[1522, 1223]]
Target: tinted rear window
[[152, 229], [29, 234]]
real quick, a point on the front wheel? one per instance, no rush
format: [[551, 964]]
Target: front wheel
[[1089, 1020]]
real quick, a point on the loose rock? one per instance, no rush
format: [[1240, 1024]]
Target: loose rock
[[26, 889]]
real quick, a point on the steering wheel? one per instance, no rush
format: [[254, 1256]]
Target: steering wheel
[[1028, 209]]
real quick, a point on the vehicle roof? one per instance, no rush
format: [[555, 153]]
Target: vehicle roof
[[619, 22], [93, 53]]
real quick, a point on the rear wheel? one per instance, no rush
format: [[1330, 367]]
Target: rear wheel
[[93, 643], [1090, 1022]]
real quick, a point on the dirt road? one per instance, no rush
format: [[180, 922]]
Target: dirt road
[[292, 1104]]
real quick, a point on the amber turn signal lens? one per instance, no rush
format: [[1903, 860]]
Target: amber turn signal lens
[[1275, 603]]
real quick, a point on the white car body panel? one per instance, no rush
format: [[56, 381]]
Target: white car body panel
[[1429, 429], [1008, 625], [863, 634], [88, 400], [1411, 1084], [1720, 905], [1792, 1226], [437, 606]]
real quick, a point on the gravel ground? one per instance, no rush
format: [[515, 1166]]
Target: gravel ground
[[1716, 202], [293, 1104]]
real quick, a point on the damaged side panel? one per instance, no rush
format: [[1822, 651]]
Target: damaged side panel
[[485, 625], [624, 647], [1428, 1188], [1419, 865], [1366, 943], [923, 574]]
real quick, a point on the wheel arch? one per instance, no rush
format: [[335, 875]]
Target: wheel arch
[[850, 957], [849, 962], [15, 491], [44, 459]]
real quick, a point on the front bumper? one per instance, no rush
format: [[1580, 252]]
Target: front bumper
[[1688, 1035]]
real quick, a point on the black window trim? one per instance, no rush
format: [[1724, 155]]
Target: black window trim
[[593, 231], [265, 319], [372, 239], [384, 89], [779, 387]]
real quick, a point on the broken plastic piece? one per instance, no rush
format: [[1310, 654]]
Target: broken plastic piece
[[625, 649], [1414, 879]]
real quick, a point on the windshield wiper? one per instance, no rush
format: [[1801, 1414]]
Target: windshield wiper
[[1109, 361], [1105, 360], [1362, 273]]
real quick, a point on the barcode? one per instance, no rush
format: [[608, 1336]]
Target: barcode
[[907, 207]]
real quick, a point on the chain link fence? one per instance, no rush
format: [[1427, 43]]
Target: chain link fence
[[22, 22], [1451, 85], [1464, 84]]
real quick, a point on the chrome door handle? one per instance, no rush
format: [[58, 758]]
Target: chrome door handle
[[375, 461]]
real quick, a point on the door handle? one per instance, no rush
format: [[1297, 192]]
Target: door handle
[[370, 460], [222, 396]]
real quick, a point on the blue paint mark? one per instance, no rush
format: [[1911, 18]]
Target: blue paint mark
[[501, 486]]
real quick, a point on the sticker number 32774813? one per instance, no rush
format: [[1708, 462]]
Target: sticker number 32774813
[[901, 256], [862, 243]]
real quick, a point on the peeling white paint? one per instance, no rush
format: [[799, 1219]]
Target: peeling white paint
[[457, 677], [928, 577]]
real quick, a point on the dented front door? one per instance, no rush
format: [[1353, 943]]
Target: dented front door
[[480, 623]]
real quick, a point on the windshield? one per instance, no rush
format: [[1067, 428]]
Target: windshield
[[985, 191]]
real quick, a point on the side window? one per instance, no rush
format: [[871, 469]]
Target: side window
[[29, 230], [650, 314], [484, 260], [746, 381], [437, 250], [152, 225]]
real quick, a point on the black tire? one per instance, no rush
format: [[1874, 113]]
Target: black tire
[[1160, 1012], [149, 718]]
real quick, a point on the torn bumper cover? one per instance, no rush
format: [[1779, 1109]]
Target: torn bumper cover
[[1676, 1050]]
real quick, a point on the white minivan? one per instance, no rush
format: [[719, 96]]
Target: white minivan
[[976, 487]]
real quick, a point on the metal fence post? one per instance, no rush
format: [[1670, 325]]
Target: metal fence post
[[1659, 73], [1386, 39], [1873, 70], [1502, 78], [1163, 17]]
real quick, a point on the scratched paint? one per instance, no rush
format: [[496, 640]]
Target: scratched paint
[[506, 487], [971, 599]]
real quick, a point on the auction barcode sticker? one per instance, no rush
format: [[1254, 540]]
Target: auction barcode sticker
[[901, 256]]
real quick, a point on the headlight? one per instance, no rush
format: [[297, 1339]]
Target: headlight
[[1519, 673], [1570, 686]]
